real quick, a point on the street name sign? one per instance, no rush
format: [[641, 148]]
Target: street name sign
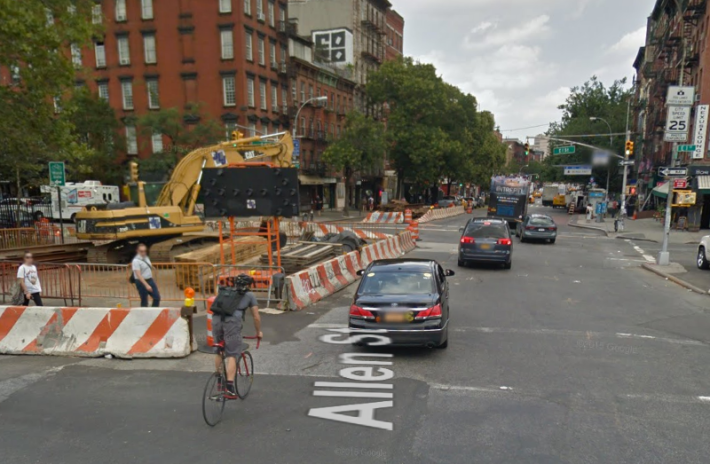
[[680, 95], [626, 163], [578, 170], [701, 130], [57, 174], [677, 124], [672, 172], [686, 148], [563, 150]]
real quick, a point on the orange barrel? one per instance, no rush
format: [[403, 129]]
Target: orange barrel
[[469, 210], [210, 338], [414, 228], [407, 216]]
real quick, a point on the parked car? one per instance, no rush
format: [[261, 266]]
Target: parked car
[[13, 219], [407, 298], [702, 256], [537, 227], [486, 240], [448, 201]]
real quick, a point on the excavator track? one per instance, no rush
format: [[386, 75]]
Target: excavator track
[[162, 250]]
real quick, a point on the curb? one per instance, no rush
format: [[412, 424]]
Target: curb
[[675, 279], [579, 226], [636, 239]]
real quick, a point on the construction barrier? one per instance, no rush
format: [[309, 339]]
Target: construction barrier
[[92, 332], [414, 230], [408, 216], [313, 284], [442, 213], [384, 218]]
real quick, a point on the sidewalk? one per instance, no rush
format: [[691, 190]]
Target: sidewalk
[[640, 229]]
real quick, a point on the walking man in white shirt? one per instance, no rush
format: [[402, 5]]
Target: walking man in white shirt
[[28, 279], [143, 277]]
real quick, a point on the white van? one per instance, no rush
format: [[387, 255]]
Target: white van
[[77, 195]]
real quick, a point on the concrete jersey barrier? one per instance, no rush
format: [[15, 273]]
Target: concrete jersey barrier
[[441, 213], [379, 217], [92, 332], [315, 283]]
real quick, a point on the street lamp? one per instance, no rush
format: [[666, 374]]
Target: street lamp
[[295, 120], [611, 143], [521, 169]]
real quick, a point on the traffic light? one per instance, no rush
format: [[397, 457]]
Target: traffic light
[[134, 171], [629, 148], [527, 148]]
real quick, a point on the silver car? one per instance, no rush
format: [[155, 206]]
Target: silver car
[[537, 227], [702, 256]]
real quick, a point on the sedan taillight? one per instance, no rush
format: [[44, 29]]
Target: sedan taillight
[[504, 241], [357, 312], [468, 240], [432, 313]]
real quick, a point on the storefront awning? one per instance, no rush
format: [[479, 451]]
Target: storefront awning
[[703, 185], [309, 180], [662, 190]]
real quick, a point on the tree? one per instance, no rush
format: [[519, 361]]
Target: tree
[[360, 148], [593, 99], [34, 39]]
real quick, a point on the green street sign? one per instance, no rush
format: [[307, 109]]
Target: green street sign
[[563, 150], [686, 148], [57, 175]]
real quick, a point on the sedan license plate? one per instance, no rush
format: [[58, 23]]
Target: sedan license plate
[[394, 317], [541, 230], [485, 247]]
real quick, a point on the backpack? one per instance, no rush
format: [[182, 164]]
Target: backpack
[[227, 301]]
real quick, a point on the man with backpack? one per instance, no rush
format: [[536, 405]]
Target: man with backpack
[[142, 277], [229, 311]]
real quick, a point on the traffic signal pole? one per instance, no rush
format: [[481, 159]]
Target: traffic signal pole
[[627, 152]]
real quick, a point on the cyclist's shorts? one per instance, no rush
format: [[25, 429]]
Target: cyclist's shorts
[[229, 330]]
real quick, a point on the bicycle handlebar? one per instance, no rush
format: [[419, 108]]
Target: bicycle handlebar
[[258, 340]]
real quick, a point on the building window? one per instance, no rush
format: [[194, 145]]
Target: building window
[[120, 10], [229, 91], [250, 91], [303, 92], [303, 126], [282, 13], [284, 99], [247, 7], [284, 54], [100, 52], [225, 6], [15, 74], [248, 46], [76, 55], [127, 91], [272, 55], [261, 51], [50, 16], [131, 140], [229, 127], [153, 95], [227, 44], [57, 104], [149, 49], [270, 11], [97, 16], [310, 92], [262, 94], [274, 98], [103, 90], [124, 53], [252, 129], [259, 10], [157, 141], [147, 9]]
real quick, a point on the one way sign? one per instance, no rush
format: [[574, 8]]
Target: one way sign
[[672, 172]]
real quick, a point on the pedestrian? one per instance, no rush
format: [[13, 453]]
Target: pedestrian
[[28, 278], [142, 277], [590, 212], [319, 204], [371, 203]]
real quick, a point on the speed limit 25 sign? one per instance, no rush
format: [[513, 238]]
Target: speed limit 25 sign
[[677, 124]]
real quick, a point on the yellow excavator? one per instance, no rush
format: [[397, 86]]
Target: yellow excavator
[[163, 225]]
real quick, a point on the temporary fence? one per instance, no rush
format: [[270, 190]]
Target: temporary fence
[[41, 234], [379, 217], [376, 231], [441, 213]]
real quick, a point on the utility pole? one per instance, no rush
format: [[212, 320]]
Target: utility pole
[[622, 213]]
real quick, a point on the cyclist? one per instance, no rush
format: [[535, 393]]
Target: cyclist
[[229, 310]]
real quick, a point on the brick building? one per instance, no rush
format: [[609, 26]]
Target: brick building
[[394, 40], [318, 122], [515, 152], [228, 55]]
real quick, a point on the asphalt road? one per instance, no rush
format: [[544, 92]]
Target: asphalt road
[[576, 355]]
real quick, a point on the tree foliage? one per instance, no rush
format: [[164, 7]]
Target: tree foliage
[[360, 148]]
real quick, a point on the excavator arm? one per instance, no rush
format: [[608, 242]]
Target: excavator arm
[[184, 184]]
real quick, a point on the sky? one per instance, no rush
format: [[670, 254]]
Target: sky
[[521, 57]]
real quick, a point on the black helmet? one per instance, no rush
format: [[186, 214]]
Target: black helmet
[[243, 282]]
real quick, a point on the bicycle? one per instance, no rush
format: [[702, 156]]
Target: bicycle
[[214, 396]]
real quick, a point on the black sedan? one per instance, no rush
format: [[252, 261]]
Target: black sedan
[[408, 299]]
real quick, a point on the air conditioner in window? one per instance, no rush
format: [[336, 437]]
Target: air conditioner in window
[[697, 97], [274, 65], [120, 17], [124, 61], [260, 17]]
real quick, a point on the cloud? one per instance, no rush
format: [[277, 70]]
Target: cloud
[[478, 38], [629, 43]]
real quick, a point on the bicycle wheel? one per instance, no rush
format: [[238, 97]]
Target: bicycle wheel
[[245, 375], [213, 399]]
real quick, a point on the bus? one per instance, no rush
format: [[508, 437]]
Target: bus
[[509, 198]]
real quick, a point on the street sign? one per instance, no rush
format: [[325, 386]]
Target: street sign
[[578, 170], [701, 130], [296, 148], [677, 124], [680, 95], [57, 175], [686, 148], [600, 158], [563, 150], [626, 163], [680, 183], [672, 172]]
